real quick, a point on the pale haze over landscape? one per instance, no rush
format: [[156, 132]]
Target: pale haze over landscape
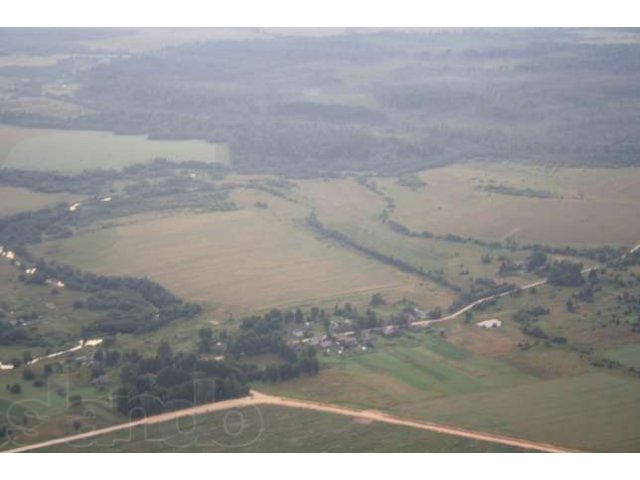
[[320, 240]]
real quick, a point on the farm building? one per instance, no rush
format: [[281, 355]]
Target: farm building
[[492, 323]]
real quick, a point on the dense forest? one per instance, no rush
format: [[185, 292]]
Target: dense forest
[[386, 102]]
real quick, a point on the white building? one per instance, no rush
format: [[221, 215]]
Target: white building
[[492, 323]]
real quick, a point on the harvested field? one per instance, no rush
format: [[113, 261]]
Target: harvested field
[[243, 259], [15, 200]]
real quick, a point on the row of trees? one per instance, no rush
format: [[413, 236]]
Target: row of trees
[[314, 223], [131, 305]]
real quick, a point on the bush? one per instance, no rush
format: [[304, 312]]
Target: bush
[[565, 274]]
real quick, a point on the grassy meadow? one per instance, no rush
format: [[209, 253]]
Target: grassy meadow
[[584, 206], [72, 151], [277, 429], [594, 412], [55, 318], [246, 260], [626, 354]]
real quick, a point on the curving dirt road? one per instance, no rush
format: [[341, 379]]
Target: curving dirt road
[[471, 306], [257, 398]]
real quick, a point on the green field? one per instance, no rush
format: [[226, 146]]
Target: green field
[[592, 411], [275, 429], [403, 371], [628, 355], [72, 151]]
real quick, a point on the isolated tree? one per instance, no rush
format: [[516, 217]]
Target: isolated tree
[[377, 300], [206, 338], [570, 306], [326, 323]]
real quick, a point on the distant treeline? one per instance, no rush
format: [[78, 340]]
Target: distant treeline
[[382, 102], [602, 254], [318, 227], [92, 182], [517, 192], [482, 287]]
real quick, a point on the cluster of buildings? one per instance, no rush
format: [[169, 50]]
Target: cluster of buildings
[[340, 342], [30, 271], [8, 254]]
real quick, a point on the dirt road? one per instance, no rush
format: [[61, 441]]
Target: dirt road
[[257, 399], [471, 306]]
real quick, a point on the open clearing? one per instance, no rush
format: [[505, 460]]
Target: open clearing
[[140, 40], [595, 412], [246, 259], [586, 206], [628, 355], [15, 200], [56, 320], [72, 151]]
